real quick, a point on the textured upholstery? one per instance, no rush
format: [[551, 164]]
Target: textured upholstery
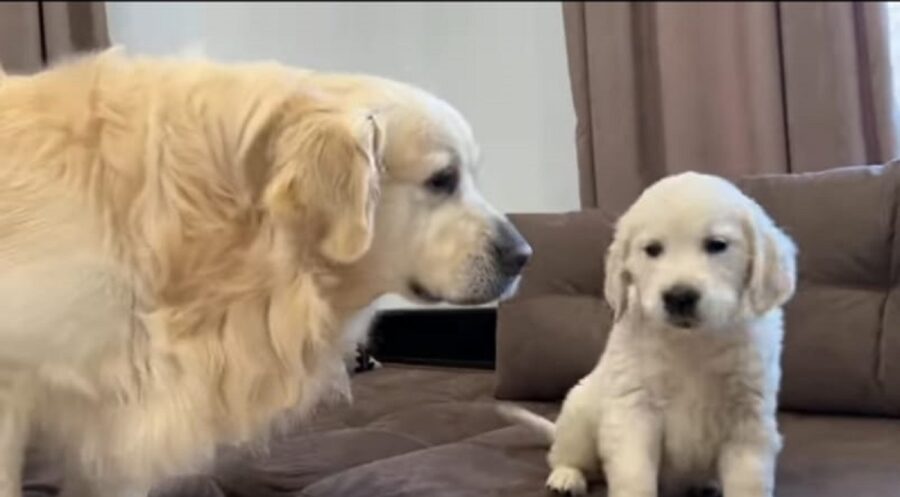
[[842, 337]]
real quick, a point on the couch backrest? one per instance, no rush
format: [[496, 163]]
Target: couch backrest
[[842, 337]]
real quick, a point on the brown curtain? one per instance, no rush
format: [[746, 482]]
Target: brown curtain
[[33, 34], [726, 88]]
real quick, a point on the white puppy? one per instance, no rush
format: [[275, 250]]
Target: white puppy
[[684, 395]]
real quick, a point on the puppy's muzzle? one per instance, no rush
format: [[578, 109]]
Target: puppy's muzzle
[[680, 302]]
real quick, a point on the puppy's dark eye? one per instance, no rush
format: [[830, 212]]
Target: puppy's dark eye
[[715, 245], [444, 181], [653, 249]]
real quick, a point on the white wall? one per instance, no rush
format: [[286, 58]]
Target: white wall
[[503, 65]]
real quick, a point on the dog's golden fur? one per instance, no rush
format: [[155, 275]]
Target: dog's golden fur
[[180, 242], [151, 170]]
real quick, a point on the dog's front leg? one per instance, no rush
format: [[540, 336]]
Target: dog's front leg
[[630, 444], [13, 439], [747, 460], [76, 484]]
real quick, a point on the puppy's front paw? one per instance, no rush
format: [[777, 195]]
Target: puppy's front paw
[[565, 480]]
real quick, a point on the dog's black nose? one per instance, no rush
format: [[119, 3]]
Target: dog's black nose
[[511, 251], [513, 260], [681, 301]]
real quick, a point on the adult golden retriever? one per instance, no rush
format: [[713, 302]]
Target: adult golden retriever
[[181, 241]]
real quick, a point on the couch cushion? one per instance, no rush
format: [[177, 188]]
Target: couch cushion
[[842, 339], [572, 247], [823, 456], [839, 456], [838, 323], [546, 344], [396, 410], [503, 463], [550, 334]]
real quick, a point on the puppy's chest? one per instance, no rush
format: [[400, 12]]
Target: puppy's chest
[[674, 386], [699, 373], [698, 393]]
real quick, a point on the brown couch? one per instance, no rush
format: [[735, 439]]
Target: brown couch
[[416, 431]]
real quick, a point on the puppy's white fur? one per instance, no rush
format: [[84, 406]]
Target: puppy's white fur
[[672, 408], [181, 243]]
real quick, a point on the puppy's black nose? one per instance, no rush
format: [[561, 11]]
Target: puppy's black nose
[[681, 301], [511, 251]]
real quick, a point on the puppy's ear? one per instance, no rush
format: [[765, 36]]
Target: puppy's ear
[[326, 176], [617, 280], [772, 275]]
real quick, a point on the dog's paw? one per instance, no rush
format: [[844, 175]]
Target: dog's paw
[[569, 481]]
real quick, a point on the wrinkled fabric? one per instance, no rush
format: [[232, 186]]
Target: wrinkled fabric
[[34, 34], [731, 88]]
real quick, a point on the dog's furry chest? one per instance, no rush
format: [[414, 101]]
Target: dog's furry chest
[[121, 403], [167, 426]]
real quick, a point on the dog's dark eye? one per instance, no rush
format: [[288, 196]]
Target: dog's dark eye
[[714, 246], [653, 249], [444, 181]]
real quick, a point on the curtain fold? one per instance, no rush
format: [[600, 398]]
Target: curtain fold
[[34, 34], [726, 88], [838, 84]]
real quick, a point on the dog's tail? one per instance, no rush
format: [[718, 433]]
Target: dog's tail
[[517, 415]]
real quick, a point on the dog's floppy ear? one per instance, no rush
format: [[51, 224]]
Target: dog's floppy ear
[[326, 176], [772, 275], [617, 280]]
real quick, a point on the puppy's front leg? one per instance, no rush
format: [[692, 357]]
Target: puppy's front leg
[[574, 451], [747, 461], [630, 444]]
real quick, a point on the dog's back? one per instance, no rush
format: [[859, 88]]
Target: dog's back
[[121, 207]]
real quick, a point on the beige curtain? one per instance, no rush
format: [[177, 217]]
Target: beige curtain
[[728, 88], [33, 34]]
